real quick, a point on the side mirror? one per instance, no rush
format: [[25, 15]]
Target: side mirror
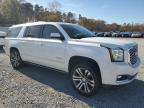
[[56, 36], [3, 34]]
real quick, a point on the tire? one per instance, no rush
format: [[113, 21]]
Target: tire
[[85, 79], [15, 59]]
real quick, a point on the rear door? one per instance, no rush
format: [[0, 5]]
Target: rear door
[[31, 44]]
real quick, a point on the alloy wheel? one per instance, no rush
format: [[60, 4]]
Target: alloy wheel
[[83, 80], [15, 59]]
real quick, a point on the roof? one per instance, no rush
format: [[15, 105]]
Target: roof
[[39, 23]]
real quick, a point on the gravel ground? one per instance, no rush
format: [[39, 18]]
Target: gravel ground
[[36, 87]]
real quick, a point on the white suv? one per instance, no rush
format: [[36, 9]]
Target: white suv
[[91, 61]]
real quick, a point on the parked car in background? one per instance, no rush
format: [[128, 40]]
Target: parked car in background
[[2, 36], [107, 34], [100, 34], [136, 35], [116, 34], [90, 61], [126, 34], [142, 34], [95, 33]]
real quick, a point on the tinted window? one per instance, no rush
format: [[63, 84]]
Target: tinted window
[[13, 32], [33, 31], [48, 29], [76, 31]]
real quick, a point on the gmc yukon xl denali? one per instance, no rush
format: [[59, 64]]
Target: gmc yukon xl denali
[[90, 61]]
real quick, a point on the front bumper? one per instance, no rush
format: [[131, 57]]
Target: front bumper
[[113, 71]]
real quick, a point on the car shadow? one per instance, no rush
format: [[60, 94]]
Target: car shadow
[[130, 95]]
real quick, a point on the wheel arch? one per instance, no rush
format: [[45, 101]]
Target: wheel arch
[[13, 48], [76, 59]]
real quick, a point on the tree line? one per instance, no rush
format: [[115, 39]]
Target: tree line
[[20, 11]]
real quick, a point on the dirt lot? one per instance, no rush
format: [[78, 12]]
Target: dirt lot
[[36, 87]]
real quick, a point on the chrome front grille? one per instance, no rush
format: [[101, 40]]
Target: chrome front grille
[[133, 55]]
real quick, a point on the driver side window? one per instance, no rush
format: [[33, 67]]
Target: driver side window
[[48, 29]]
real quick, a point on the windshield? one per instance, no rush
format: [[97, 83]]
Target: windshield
[[76, 31]]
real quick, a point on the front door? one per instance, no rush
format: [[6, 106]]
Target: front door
[[52, 50]]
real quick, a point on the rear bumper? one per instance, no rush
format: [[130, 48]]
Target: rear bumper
[[119, 73]]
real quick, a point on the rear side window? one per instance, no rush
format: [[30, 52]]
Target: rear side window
[[14, 32], [33, 31]]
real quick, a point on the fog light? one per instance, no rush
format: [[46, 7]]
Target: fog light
[[119, 77], [125, 77], [122, 77]]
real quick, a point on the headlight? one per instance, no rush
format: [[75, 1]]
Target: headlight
[[117, 54]]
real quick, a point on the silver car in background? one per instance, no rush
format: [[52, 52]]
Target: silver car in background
[[136, 35]]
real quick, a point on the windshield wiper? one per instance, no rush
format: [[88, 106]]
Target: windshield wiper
[[79, 36]]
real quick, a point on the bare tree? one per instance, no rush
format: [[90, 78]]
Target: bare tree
[[54, 6]]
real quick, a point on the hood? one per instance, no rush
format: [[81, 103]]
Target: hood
[[108, 42]]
